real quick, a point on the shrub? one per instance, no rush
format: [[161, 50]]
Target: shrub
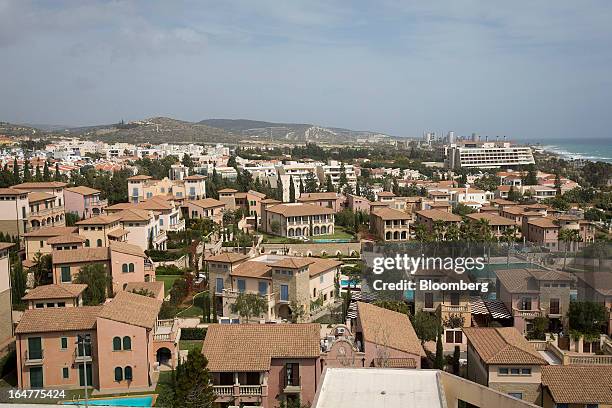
[[161, 256], [193, 333], [168, 270]]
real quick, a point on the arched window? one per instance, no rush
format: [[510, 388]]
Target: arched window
[[99, 242], [128, 373], [127, 343], [323, 230], [86, 242], [388, 235], [131, 267], [118, 374], [124, 268], [116, 343]]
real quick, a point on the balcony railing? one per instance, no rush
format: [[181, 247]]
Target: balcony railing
[[33, 357], [178, 226], [96, 204], [455, 308], [250, 390], [527, 314], [237, 390], [160, 237], [81, 357], [166, 330], [224, 390]]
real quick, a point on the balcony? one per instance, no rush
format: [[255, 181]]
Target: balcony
[[291, 385], [166, 330], [82, 358], [33, 357], [160, 237], [224, 390], [455, 308], [178, 226], [527, 314], [238, 390]]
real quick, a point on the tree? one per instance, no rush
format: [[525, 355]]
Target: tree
[[329, 185], [291, 190], [275, 226], [425, 325], [27, 174], [191, 385], [203, 302], [456, 362], [46, 172], [248, 305], [187, 161], [311, 184], [98, 283], [18, 282], [558, 183], [16, 172], [71, 219], [586, 317], [41, 270], [439, 361], [539, 327], [298, 312], [568, 236], [514, 195], [279, 189], [462, 209]]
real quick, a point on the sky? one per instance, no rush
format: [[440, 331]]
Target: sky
[[529, 70]]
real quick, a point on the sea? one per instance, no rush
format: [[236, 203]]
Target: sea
[[593, 149]]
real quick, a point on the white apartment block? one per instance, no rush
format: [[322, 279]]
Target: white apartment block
[[487, 155], [333, 169]]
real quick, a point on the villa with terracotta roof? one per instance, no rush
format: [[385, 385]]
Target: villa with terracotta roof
[[298, 220], [100, 230], [46, 202], [389, 224], [55, 295], [577, 386], [325, 199], [429, 217], [84, 201], [531, 293], [128, 345], [263, 364], [143, 187], [37, 241], [166, 207], [497, 223], [204, 208], [502, 359], [596, 286], [307, 283]]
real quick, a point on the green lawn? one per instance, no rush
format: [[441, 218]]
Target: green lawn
[[191, 345], [168, 281], [339, 233]]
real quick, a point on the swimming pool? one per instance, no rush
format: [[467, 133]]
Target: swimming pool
[[331, 240], [140, 401]]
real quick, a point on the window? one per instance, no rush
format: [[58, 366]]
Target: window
[[161, 221], [429, 300], [219, 286], [131, 267], [65, 373], [592, 406], [128, 373], [502, 371], [241, 285], [518, 395], [61, 304], [526, 371], [40, 305], [64, 343], [116, 343], [66, 277], [554, 306], [41, 243], [263, 288], [127, 343], [284, 293], [99, 242], [86, 242], [515, 371], [292, 374], [118, 374], [124, 268], [321, 278], [455, 299]]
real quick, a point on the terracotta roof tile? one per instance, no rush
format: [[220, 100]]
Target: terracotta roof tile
[[224, 346], [80, 255], [252, 269], [292, 263], [39, 185], [99, 220], [579, 384], [55, 291], [51, 232], [130, 308], [493, 219], [206, 203], [227, 257], [321, 265], [39, 196], [83, 190], [153, 287], [390, 214], [299, 209], [439, 215], [503, 345], [58, 319], [125, 248], [66, 239]]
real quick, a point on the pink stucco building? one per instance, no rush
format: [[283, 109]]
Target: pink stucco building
[[84, 201]]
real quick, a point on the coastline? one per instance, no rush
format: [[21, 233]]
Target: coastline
[[595, 150]]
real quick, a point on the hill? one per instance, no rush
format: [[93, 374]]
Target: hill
[[12, 129]]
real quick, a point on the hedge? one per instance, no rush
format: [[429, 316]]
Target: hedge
[[168, 270], [193, 333]]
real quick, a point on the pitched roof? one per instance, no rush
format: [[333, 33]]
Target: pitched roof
[[269, 201], [5, 245], [206, 203], [38, 185], [526, 280], [226, 350], [502, 345], [134, 214], [579, 384], [493, 219], [55, 291], [292, 263], [58, 319], [439, 215], [318, 196], [40, 196], [299, 209], [80, 255], [66, 239], [51, 232], [195, 177], [386, 194], [140, 177], [117, 233], [11, 191], [227, 257], [543, 222], [321, 265], [387, 213], [154, 287], [125, 248], [388, 328], [601, 281], [227, 190], [130, 308], [83, 190], [252, 269], [99, 220], [256, 194]]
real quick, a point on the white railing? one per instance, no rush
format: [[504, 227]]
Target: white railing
[[161, 236], [178, 226], [590, 360], [529, 314], [250, 390], [224, 390], [539, 345], [455, 308]]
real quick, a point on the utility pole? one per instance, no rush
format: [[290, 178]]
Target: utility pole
[[82, 341]]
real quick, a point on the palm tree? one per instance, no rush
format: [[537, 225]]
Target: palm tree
[[439, 230], [568, 236], [508, 236]]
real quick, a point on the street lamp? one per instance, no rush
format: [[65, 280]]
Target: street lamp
[[84, 340]]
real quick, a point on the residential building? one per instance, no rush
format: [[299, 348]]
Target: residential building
[[142, 187], [127, 345], [284, 282], [497, 223], [328, 200], [359, 388], [576, 386], [470, 154], [596, 286], [334, 170], [55, 295], [357, 203], [390, 225], [531, 293], [37, 241], [204, 208], [429, 217], [6, 299], [84, 201], [165, 206], [250, 201], [298, 220], [263, 364], [14, 211], [502, 359], [99, 231], [44, 212], [144, 228]]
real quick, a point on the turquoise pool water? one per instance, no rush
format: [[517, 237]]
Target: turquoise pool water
[[330, 240], [346, 282], [143, 401]]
